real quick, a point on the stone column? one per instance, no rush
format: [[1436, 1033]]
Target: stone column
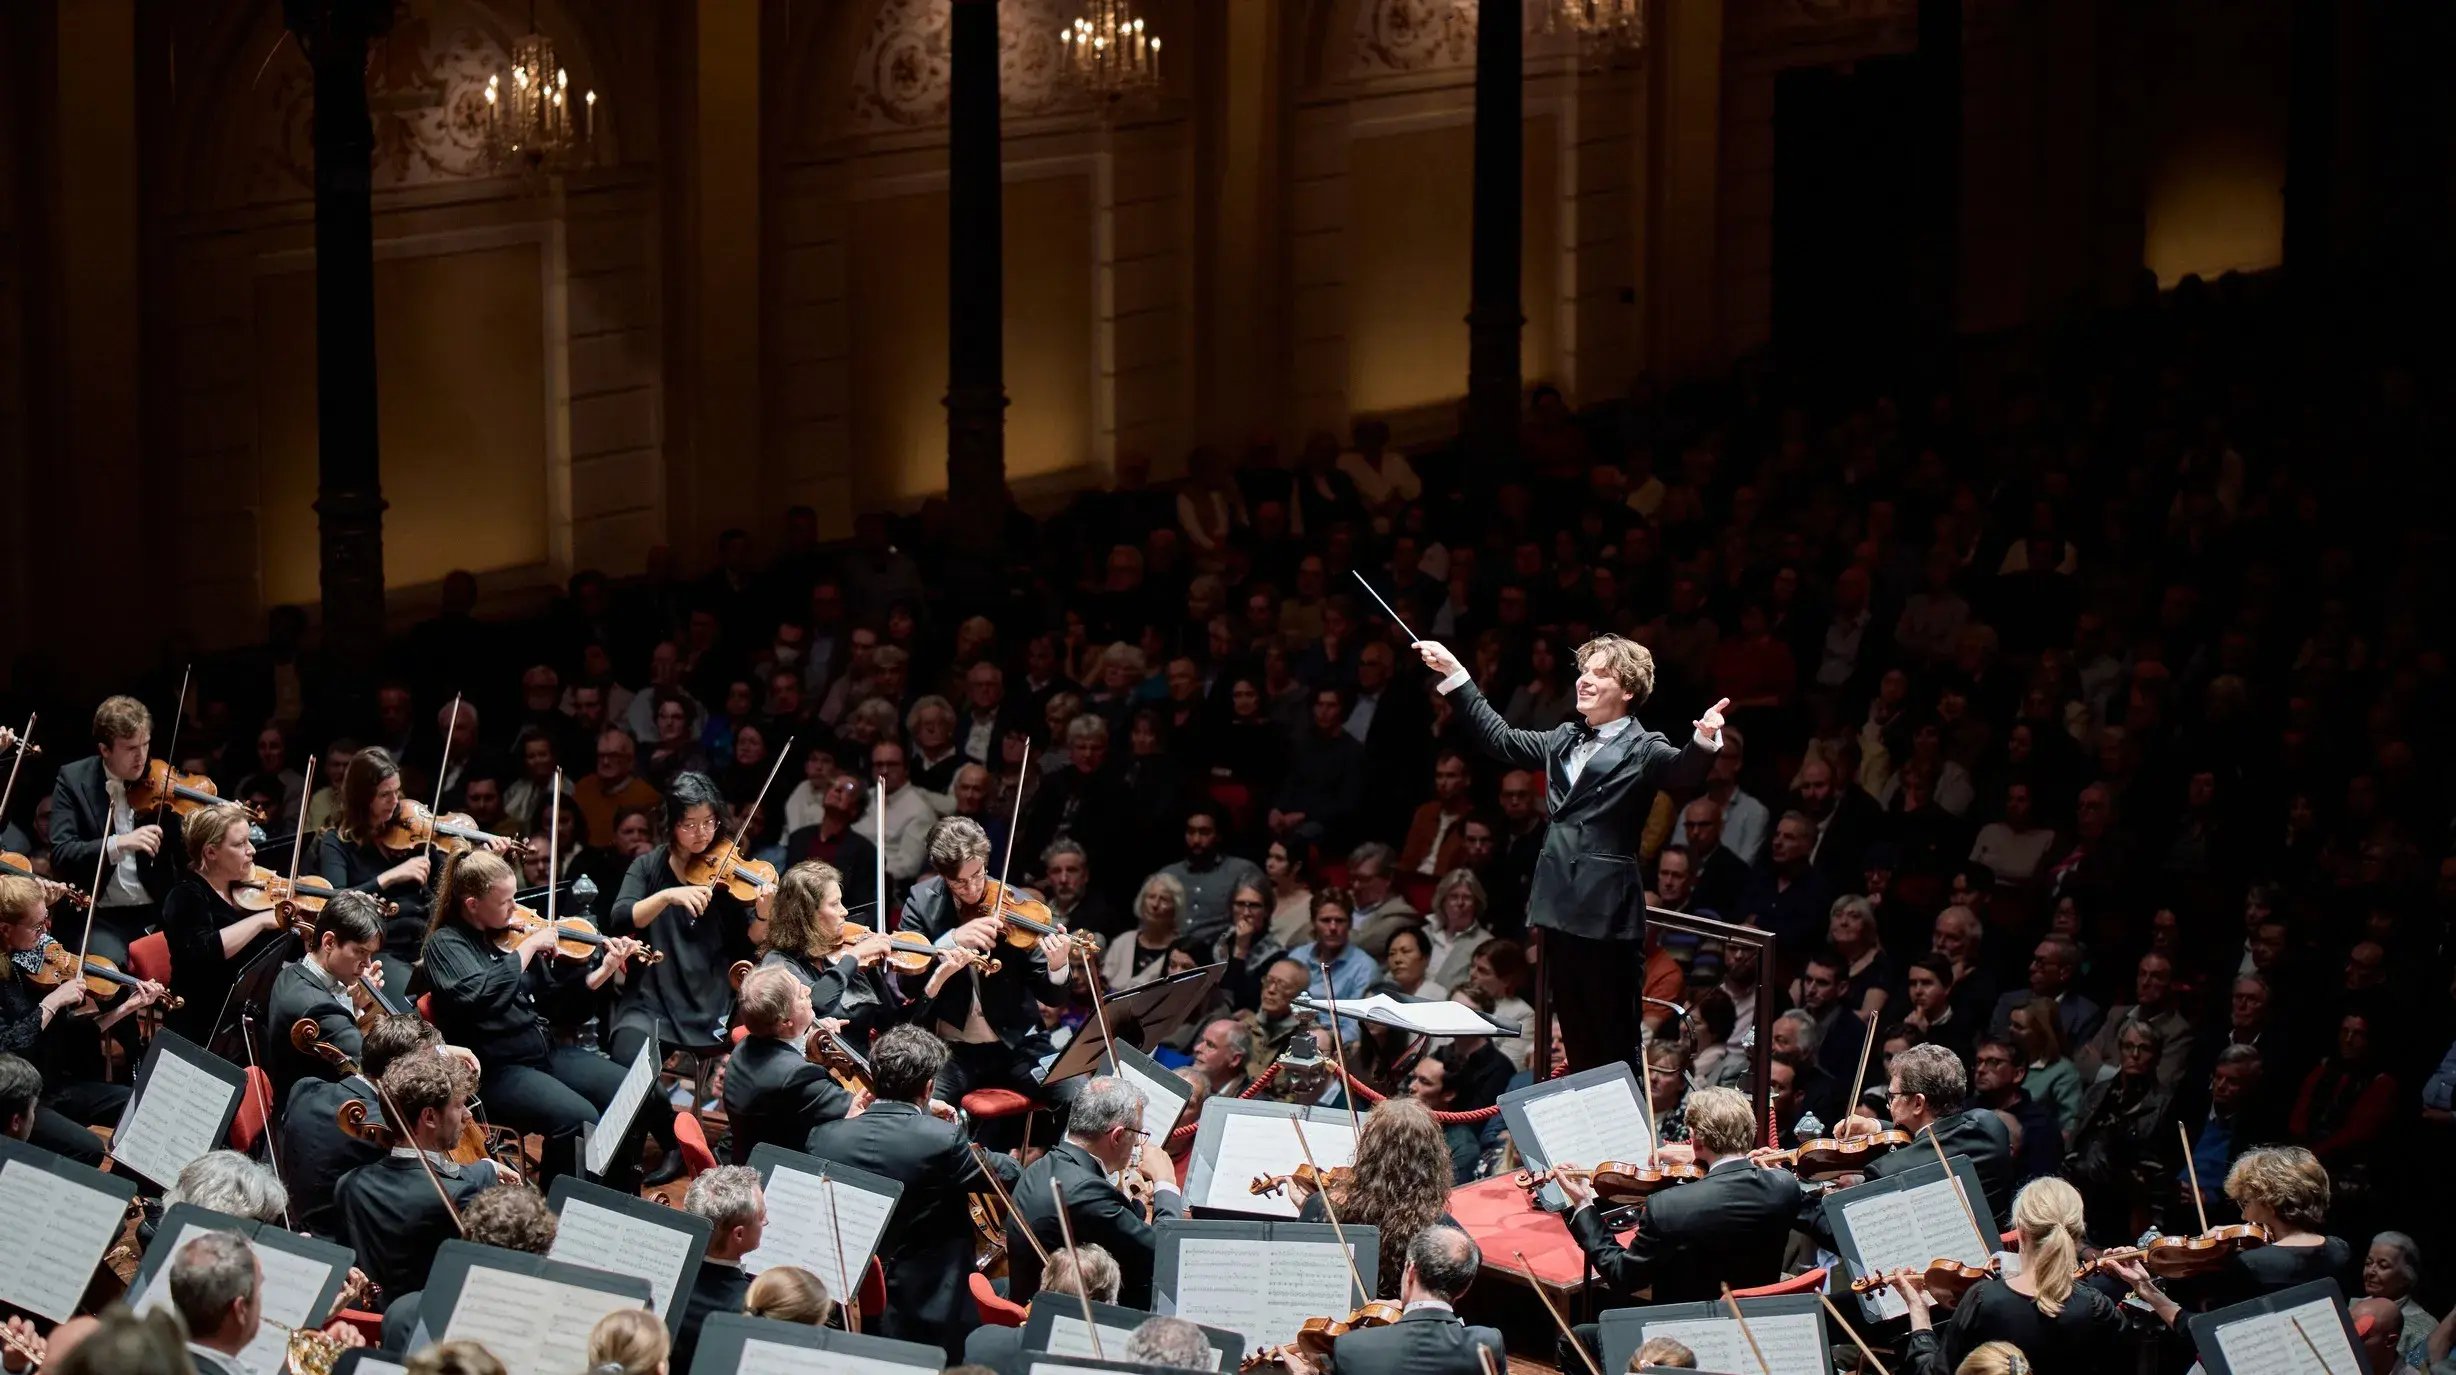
[[1494, 318], [976, 288]]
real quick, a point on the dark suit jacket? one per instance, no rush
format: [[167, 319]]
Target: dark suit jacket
[[773, 1093], [1587, 880], [1010, 998], [315, 1153], [927, 1247], [299, 994], [1427, 1341], [1975, 1132], [719, 1287], [1727, 1228], [81, 813], [1101, 1217]]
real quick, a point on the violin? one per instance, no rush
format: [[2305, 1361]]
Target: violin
[[1304, 1176], [1028, 919], [1617, 1182], [373, 1000], [1828, 1156], [577, 938], [53, 890], [478, 1141], [2181, 1257], [912, 954], [265, 891], [184, 793], [1943, 1278], [831, 1052], [1314, 1338], [103, 979], [414, 827], [720, 866]]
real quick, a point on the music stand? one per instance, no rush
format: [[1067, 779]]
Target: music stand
[[1142, 1017], [251, 991]]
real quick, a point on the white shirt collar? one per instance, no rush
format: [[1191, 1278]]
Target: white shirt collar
[[1439, 1305]]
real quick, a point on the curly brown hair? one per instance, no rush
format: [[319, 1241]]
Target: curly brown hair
[[1401, 1182]]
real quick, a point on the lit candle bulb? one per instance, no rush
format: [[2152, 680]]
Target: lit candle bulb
[[588, 119]]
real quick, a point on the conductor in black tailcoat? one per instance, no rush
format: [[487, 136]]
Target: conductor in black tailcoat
[[1602, 772]]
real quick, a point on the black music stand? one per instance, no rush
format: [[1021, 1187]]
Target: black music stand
[[1142, 1017]]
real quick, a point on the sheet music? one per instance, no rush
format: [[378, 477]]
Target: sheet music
[[1251, 1146], [176, 1117], [2267, 1344], [603, 1239], [292, 1284], [1424, 1019], [44, 1269], [1161, 1102], [615, 1122], [1910, 1227], [802, 1230], [1215, 1286], [1061, 1368], [367, 1365], [535, 1326], [1794, 1343], [1587, 1126], [776, 1358], [1069, 1337]]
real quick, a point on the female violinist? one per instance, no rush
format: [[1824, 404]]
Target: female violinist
[[1400, 1184], [58, 1030], [212, 936], [351, 857], [2285, 1190], [499, 1002], [2058, 1325], [806, 936]]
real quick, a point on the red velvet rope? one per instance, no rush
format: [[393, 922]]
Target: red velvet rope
[[1183, 1136]]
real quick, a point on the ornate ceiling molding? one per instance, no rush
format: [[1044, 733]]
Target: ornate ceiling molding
[[901, 77], [1411, 36]]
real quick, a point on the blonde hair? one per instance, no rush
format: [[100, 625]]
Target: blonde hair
[[1663, 1351], [793, 916], [1630, 664], [1721, 1120], [209, 826], [2047, 1213], [788, 1293], [455, 1358], [627, 1341], [19, 895], [1994, 1358], [2289, 1179], [466, 875]]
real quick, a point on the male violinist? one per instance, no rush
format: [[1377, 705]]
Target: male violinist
[[990, 1021], [1102, 1130], [772, 1090], [1927, 1091], [141, 857], [349, 934], [391, 1211], [1603, 770], [315, 1152]]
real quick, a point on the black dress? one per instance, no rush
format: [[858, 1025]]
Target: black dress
[[2267, 1269], [193, 916], [685, 998], [357, 865], [862, 998], [2093, 1332]]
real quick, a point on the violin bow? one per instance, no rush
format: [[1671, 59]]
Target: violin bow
[[443, 769], [554, 841], [2311, 1346], [1057, 1195], [2194, 1170], [179, 716], [1732, 1302], [1108, 1040], [258, 1085], [1323, 1192], [1645, 1090], [93, 909], [1006, 862], [1984, 1244], [878, 871], [851, 1296], [1859, 1081], [392, 1113], [1338, 1048], [1567, 1335], [1014, 1214], [1856, 1339], [25, 742], [742, 827], [298, 843], [1483, 1357]]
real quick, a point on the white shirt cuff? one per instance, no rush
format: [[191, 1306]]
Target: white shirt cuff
[[1457, 679], [1713, 746]]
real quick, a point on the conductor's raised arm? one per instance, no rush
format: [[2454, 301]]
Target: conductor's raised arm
[[1522, 748]]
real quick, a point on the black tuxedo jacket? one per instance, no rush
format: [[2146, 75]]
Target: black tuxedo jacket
[[315, 1153], [81, 815], [719, 1287], [1587, 880], [1727, 1228], [773, 1093], [927, 1247], [1101, 1217], [1010, 998], [299, 994], [1427, 1341]]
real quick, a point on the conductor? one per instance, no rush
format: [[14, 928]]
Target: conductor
[[1601, 773]]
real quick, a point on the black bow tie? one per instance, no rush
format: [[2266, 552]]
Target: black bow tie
[[1581, 733]]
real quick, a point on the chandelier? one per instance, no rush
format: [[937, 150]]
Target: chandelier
[[1107, 53], [1602, 26], [531, 124]]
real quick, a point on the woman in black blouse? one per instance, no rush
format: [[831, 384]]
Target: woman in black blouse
[[2057, 1325], [2285, 1189], [350, 858], [211, 939], [58, 1030], [805, 935], [501, 1004]]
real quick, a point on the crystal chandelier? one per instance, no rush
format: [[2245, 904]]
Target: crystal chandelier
[[1602, 26], [531, 124], [1108, 54]]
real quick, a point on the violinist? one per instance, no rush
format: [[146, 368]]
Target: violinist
[[1086, 1272], [773, 1091], [928, 1244], [1428, 1338], [2058, 1324], [1102, 1131], [57, 1030], [1926, 1088], [349, 933], [212, 937], [806, 938], [89, 812], [353, 857], [390, 1212], [991, 1022], [683, 1000], [2285, 1190], [499, 1002], [315, 1151], [1400, 1184]]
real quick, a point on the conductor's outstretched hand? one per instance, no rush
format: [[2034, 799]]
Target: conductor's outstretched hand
[[1710, 725], [1438, 658]]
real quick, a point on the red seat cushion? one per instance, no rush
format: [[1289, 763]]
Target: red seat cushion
[[984, 1103], [693, 1140], [255, 1108], [149, 957], [369, 1325], [1809, 1283], [873, 1292], [996, 1309]]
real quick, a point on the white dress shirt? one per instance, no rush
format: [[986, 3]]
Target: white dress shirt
[[123, 888]]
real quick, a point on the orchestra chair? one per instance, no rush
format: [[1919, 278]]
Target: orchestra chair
[[369, 1325], [692, 1138], [872, 1294], [255, 1103], [426, 1008], [150, 958], [1003, 1106], [1236, 799], [1810, 1282], [996, 1309]]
